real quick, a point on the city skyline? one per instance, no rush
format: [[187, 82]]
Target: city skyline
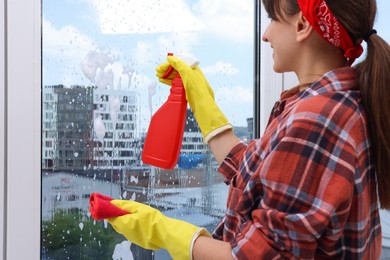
[[85, 129]]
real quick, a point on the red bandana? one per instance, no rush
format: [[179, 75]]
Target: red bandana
[[326, 24]]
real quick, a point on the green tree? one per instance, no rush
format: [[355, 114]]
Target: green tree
[[70, 234]]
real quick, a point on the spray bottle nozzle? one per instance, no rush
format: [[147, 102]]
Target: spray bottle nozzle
[[189, 61]]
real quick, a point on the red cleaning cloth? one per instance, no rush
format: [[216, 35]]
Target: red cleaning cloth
[[101, 208]]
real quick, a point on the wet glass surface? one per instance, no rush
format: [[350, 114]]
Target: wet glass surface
[[99, 92]]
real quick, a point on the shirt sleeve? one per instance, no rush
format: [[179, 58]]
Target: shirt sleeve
[[230, 165], [301, 191]]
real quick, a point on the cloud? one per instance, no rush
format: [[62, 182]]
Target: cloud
[[182, 43], [125, 17], [228, 19], [236, 103], [221, 68], [236, 94], [153, 52], [66, 43], [63, 51]]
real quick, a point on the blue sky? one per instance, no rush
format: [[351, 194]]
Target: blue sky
[[383, 19], [217, 32]]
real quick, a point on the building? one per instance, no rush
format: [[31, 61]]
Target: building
[[73, 122], [85, 128], [250, 128], [66, 128], [49, 127], [192, 137], [117, 139]]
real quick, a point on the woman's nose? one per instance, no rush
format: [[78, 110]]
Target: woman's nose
[[264, 37]]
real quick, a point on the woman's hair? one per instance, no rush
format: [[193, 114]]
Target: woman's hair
[[373, 75]]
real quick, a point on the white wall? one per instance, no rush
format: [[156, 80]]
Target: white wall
[[272, 84], [21, 133], [2, 123]]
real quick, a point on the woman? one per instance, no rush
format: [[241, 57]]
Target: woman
[[308, 187]]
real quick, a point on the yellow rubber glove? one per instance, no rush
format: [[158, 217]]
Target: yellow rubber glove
[[199, 95], [150, 229]]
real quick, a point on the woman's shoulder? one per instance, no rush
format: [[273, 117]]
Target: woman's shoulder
[[335, 94], [340, 112]]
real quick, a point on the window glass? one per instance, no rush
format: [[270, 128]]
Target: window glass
[[99, 92]]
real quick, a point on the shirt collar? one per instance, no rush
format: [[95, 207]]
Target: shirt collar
[[341, 79]]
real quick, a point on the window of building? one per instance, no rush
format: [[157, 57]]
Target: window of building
[[110, 62]]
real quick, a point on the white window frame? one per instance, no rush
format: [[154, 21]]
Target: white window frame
[[2, 129], [20, 117], [20, 132]]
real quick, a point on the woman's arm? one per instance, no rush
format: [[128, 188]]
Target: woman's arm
[[222, 144], [208, 248]]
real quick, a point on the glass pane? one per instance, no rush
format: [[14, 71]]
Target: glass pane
[[99, 92]]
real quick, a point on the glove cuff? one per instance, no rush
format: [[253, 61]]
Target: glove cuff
[[210, 118], [217, 131], [178, 237]]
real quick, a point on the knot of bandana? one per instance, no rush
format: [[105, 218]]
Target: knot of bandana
[[327, 25]]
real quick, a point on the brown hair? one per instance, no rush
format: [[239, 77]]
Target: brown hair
[[373, 75]]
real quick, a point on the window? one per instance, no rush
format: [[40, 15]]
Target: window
[[107, 62], [20, 112]]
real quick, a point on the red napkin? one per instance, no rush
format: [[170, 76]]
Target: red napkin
[[101, 208]]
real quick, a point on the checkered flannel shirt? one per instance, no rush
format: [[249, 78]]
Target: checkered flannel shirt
[[307, 188]]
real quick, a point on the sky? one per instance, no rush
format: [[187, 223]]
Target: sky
[[383, 19], [90, 42], [117, 44]]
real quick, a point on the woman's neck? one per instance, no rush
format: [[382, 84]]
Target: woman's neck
[[306, 80]]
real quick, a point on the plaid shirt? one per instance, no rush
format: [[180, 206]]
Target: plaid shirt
[[306, 189]]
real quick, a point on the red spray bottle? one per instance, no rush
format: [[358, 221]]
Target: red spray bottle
[[165, 134]]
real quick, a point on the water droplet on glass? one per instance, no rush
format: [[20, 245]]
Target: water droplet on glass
[[134, 179]]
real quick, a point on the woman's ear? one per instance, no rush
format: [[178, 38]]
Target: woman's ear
[[303, 27]]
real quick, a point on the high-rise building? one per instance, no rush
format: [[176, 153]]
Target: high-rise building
[[117, 139], [91, 130], [67, 129], [49, 127], [192, 138], [85, 128], [250, 128]]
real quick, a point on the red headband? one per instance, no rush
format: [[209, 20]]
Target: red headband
[[327, 25]]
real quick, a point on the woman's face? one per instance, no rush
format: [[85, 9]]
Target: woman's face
[[281, 34]]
